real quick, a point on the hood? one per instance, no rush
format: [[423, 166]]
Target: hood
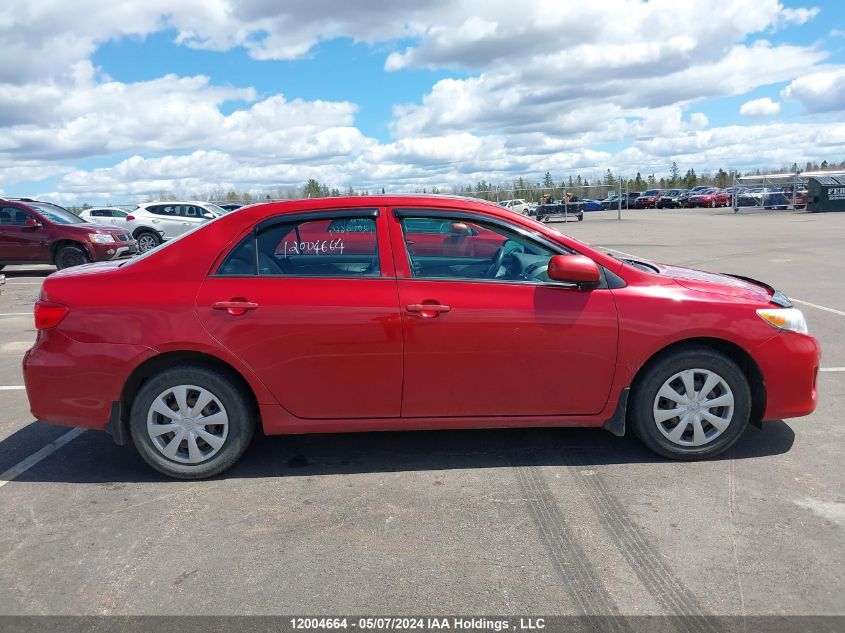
[[96, 227], [715, 283]]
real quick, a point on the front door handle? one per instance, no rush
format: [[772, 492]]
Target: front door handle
[[427, 310], [236, 307]]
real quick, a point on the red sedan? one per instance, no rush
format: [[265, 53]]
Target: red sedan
[[399, 313], [711, 198]]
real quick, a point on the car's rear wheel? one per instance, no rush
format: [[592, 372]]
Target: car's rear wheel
[[147, 241], [692, 404], [191, 422], [68, 256]]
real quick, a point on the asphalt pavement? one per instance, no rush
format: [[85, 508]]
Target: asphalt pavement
[[548, 521]]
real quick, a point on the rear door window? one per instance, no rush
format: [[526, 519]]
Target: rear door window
[[318, 247]]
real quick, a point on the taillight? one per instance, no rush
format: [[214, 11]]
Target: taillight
[[129, 218], [49, 315]]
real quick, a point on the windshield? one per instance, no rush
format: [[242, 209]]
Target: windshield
[[55, 213], [652, 192]]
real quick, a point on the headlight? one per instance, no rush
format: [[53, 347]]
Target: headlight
[[785, 319], [101, 238]]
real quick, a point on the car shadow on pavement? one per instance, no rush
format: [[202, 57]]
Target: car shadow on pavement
[[11, 274], [94, 458]]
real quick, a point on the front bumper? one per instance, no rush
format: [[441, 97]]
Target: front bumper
[[115, 250], [790, 366]]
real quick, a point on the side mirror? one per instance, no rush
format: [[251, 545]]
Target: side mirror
[[574, 269], [208, 215], [32, 223], [459, 228]]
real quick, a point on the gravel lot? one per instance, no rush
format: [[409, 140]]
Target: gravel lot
[[559, 521]]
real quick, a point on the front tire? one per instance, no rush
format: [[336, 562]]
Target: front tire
[[190, 422], [69, 256], [692, 404]]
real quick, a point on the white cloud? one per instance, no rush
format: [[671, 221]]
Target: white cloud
[[698, 120], [799, 15], [545, 85], [759, 108], [820, 91]]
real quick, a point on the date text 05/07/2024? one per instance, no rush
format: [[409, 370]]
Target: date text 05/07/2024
[[453, 623]]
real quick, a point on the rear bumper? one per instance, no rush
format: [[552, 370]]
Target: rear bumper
[[75, 384], [790, 365]]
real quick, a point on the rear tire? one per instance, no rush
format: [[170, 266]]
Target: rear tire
[[147, 241], [697, 431], [185, 443], [69, 256]]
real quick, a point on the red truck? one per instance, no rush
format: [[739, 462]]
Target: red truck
[[34, 232]]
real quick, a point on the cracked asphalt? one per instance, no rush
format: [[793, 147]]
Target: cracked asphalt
[[547, 521]]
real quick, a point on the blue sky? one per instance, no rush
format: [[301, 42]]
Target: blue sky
[[215, 95]]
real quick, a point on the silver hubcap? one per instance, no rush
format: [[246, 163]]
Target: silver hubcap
[[187, 424], [693, 407], [146, 242]]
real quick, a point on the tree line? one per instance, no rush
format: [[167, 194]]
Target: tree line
[[522, 187]]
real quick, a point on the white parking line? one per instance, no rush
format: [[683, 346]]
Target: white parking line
[[818, 307], [11, 387], [23, 283], [832, 369], [2, 314], [32, 460]]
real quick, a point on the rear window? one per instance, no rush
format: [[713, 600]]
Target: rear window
[[322, 247]]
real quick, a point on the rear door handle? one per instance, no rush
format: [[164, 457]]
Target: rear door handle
[[427, 310], [236, 307]]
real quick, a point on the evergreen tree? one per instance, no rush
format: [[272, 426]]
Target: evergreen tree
[[312, 189], [676, 175]]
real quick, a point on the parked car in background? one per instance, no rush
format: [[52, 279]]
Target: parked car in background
[[105, 215], [682, 358], [746, 198], [551, 209], [121, 217], [157, 222], [519, 205], [591, 205], [230, 206], [710, 198], [648, 200], [36, 232], [671, 199], [611, 201], [629, 199], [784, 199]]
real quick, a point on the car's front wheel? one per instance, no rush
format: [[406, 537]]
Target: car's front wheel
[[691, 404], [191, 422], [68, 256]]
